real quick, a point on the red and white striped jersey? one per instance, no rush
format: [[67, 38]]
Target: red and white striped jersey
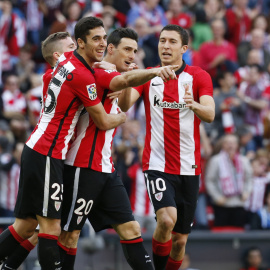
[[172, 142], [71, 88], [9, 184], [139, 199], [92, 147]]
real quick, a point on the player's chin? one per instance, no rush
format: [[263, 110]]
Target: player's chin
[[166, 62]]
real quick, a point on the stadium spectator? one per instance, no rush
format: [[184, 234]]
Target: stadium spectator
[[176, 15], [229, 107], [201, 29], [147, 43], [12, 36], [256, 42], [25, 67], [228, 182], [242, 73], [9, 177], [238, 19], [251, 94], [33, 99], [218, 54], [252, 259], [261, 220], [215, 9], [256, 201], [14, 104], [151, 11]]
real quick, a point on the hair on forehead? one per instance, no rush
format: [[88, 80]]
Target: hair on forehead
[[84, 25], [180, 30], [116, 36]]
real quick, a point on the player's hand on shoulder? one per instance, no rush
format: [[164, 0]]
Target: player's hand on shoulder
[[167, 72], [104, 65]]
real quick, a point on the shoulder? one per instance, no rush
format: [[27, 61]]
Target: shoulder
[[196, 71], [104, 72]]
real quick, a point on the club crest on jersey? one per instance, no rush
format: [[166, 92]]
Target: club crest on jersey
[[79, 219], [57, 205], [159, 196], [92, 91]]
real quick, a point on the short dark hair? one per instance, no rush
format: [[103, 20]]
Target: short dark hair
[[180, 30], [85, 24], [49, 45], [119, 33]]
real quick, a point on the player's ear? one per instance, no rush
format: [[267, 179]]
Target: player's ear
[[184, 48], [81, 43], [110, 48], [56, 55]]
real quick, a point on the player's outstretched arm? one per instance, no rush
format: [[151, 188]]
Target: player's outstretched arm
[[103, 120], [140, 76]]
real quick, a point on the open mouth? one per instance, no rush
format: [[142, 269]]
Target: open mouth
[[127, 63], [166, 54]]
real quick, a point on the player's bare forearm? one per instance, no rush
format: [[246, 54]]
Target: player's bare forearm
[[205, 109], [103, 120], [140, 76], [205, 112], [114, 120], [127, 98]]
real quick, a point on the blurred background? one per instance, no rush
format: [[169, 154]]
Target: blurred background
[[230, 39]]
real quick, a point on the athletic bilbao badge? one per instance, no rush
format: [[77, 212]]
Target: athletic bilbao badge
[[79, 219], [57, 205], [159, 196], [92, 91]]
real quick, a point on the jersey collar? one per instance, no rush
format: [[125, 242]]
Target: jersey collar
[[178, 71], [80, 58]]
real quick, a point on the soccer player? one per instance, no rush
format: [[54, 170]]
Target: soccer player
[[171, 158], [97, 192], [52, 48]]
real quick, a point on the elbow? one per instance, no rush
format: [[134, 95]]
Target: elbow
[[210, 119], [103, 125]]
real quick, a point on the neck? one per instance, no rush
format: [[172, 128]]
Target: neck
[[88, 60], [179, 62], [218, 41]]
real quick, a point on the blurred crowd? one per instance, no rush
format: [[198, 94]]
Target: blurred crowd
[[230, 39]]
